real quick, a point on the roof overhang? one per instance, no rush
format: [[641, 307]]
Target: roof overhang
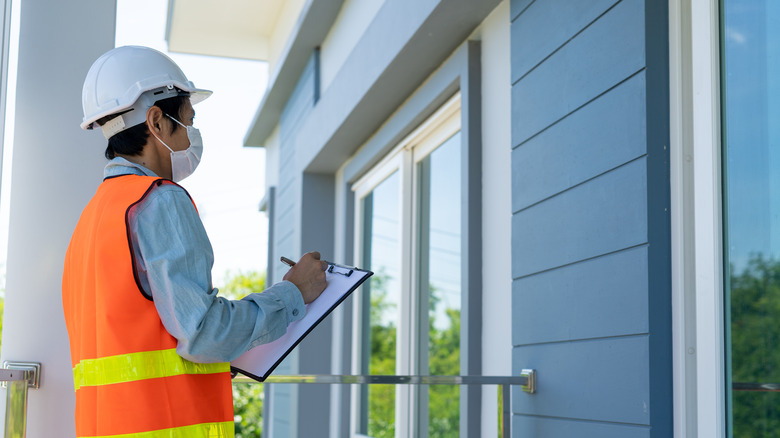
[[229, 28], [311, 28]]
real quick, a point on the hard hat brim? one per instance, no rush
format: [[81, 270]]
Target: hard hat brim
[[196, 95]]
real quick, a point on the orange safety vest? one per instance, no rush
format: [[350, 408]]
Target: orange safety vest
[[129, 380]]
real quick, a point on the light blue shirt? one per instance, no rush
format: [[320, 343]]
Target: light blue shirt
[[173, 260]]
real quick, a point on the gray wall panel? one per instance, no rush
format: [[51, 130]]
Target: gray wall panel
[[603, 55], [529, 426], [289, 399], [549, 306], [300, 103], [590, 227], [406, 42], [517, 7], [547, 25], [603, 215], [599, 380], [286, 161], [600, 136]]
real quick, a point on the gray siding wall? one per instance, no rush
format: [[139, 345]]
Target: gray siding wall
[[590, 227], [286, 241]]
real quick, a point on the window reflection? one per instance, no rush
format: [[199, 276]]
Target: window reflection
[[380, 312], [751, 136], [440, 231]]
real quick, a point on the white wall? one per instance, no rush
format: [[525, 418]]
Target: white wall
[[56, 168], [350, 24], [288, 18], [496, 207]]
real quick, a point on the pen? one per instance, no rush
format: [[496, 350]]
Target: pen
[[287, 261]]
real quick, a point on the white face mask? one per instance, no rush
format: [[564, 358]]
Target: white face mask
[[183, 163]]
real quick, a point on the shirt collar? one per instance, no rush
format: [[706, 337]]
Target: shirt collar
[[121, 166]]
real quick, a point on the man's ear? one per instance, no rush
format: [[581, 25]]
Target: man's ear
[[154, 120]]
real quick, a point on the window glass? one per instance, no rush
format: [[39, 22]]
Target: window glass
[[440, 279], [751, 139], [380, 313], [409, 235]]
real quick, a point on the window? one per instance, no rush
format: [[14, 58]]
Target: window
[[408, 231], [751, 111]]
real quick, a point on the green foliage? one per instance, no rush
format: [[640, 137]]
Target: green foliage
[[755, 346], [381, 398], [248, 409], [247, 397], [444, 359], [243, 283]]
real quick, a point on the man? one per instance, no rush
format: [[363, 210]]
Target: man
[[149, 337]]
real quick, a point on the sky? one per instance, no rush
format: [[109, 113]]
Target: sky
[[229, 184]]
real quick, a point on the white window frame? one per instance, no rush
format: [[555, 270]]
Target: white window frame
[[404, 158], [696, 219]]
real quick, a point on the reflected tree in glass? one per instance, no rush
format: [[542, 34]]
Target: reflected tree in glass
[[381, 252]]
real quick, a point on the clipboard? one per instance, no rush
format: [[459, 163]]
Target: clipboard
[[259, 362]]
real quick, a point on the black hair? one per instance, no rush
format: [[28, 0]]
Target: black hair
[[131, 141]]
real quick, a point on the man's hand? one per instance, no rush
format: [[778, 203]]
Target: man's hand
[[308, 275]]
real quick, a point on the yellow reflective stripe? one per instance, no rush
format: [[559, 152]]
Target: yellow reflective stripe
[[205, 430], [139, 366]]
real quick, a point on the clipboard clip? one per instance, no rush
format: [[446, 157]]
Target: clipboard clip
[[339, 269]]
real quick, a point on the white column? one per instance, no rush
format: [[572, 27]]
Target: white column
[[56, 168]]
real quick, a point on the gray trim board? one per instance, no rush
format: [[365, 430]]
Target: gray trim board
[[659, 221], [317, 225], [471, 239], [314, 23]]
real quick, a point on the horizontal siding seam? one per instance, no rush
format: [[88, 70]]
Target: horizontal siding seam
[[594, 177], [286, 235], [523, 10], [581, 420], [581, 340], [565, 42], [595, 98], [606, 254]]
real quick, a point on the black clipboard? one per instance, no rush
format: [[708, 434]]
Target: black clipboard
[[259, 362]]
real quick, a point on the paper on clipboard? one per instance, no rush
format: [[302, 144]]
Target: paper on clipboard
[[259, 362]]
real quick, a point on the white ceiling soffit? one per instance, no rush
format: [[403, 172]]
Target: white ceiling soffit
[[229, 28]]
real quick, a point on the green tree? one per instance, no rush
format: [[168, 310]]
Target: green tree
[[381, 398], [443, 360], [755, 346], [247, 397]]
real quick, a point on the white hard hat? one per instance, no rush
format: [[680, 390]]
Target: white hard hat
[[129, 80]]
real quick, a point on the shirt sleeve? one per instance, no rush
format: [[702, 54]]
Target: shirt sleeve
[[174, 258]]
